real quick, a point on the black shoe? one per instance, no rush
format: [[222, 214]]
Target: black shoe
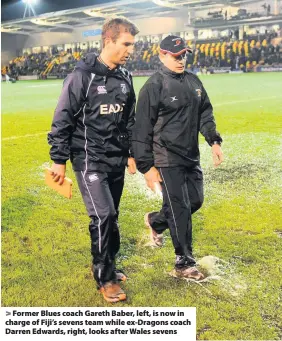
[[184, 261], [185, 267]]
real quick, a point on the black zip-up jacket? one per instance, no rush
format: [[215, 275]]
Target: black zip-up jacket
[[171, 111], [93, 121]]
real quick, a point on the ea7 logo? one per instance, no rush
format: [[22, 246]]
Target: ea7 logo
[[101, 89], [123, 88], [106, 109], [199, 91]]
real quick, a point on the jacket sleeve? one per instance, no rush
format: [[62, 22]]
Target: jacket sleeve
[[131, 117], [146, 118], [69, 105], [207, 122]]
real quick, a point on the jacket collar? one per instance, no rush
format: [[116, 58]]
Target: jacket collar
[[92, 64], [170, 73]]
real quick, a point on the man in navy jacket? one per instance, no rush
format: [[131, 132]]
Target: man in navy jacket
[[173, 107], [92, 126]]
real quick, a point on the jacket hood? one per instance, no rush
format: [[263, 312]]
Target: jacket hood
[[91, 64]]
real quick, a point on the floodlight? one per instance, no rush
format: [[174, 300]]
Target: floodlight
[[29, 2], [28, 7]]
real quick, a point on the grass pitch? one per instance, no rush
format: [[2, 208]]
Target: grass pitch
[[45, 241]]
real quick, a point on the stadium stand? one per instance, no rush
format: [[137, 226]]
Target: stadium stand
[[237, 54], [242, 14]]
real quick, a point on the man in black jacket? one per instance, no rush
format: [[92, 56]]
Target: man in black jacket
[[92, 126], [173, 107]]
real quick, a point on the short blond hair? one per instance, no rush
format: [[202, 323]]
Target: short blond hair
[[112, 28]]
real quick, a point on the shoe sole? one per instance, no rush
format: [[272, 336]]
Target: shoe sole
[[121, 297], [196, 278], [147, 224]]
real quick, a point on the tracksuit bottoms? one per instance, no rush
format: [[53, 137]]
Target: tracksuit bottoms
[[101, 193], [182, 190]]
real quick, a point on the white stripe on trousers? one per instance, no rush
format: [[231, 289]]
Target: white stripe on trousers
[[170, 206], [99, 223], [84, 174]]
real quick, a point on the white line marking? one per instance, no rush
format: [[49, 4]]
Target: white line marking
[[257, 99], [23, 136], [43, 85], [214, 105]]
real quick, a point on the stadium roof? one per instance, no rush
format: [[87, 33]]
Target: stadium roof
[[68, 20]]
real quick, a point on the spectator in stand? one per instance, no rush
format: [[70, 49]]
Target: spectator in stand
[[145, 57]]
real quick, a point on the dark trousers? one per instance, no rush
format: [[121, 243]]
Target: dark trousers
[[182, 190], [101, 193]]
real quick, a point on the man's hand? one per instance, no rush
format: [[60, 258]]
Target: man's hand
[[152, 178], [217, 155], [58, 172], [131, 165]]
